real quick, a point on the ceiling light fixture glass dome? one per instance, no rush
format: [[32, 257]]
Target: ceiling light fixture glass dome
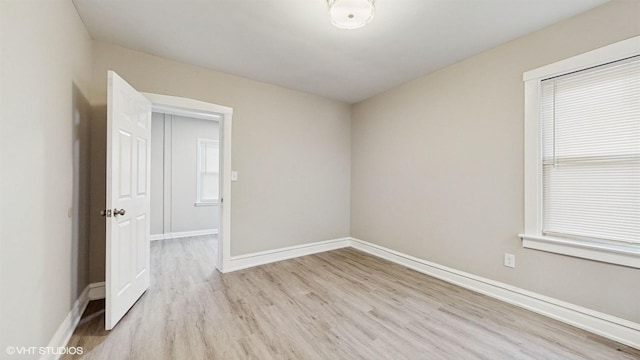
[[350, 14]]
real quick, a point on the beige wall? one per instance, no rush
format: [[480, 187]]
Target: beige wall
[[291, 151], [181, 161], [44, 129], [438, 167]]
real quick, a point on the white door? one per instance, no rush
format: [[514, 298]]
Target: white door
[[128, 165]]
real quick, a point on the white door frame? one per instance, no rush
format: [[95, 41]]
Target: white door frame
[[200, 109]]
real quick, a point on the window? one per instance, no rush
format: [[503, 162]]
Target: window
[[208, 172], [582, 156]]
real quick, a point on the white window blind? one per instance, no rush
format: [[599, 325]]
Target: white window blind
[[591, 153]]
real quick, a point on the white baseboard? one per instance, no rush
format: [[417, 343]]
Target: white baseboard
[[96, 291], [68, 325], [611, 327], [266, 257], [182, 234]]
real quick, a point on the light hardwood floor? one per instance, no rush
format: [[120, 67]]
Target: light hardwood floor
[[342, 304]]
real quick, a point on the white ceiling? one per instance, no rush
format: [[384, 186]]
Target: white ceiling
[[291, 43]]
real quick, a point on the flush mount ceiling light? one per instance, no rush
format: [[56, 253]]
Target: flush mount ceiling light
[[350, 14]]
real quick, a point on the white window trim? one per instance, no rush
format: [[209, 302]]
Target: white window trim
[[199, 200], [626, 255]]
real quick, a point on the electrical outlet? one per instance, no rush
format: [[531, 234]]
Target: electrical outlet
[[509, 260]]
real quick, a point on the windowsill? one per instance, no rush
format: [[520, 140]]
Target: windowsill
[[208, 203], [619, 254]]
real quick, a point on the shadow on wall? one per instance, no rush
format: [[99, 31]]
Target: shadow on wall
[[80, 131], [97, 199]]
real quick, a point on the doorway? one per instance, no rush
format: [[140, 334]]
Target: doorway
[[185, 177], [194, 109]]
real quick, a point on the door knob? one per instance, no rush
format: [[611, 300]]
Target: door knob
[[117, 212]]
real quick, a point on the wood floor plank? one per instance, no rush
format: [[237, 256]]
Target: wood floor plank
[[342, 304]]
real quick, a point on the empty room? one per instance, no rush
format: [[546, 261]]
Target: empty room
[[320, 179]]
